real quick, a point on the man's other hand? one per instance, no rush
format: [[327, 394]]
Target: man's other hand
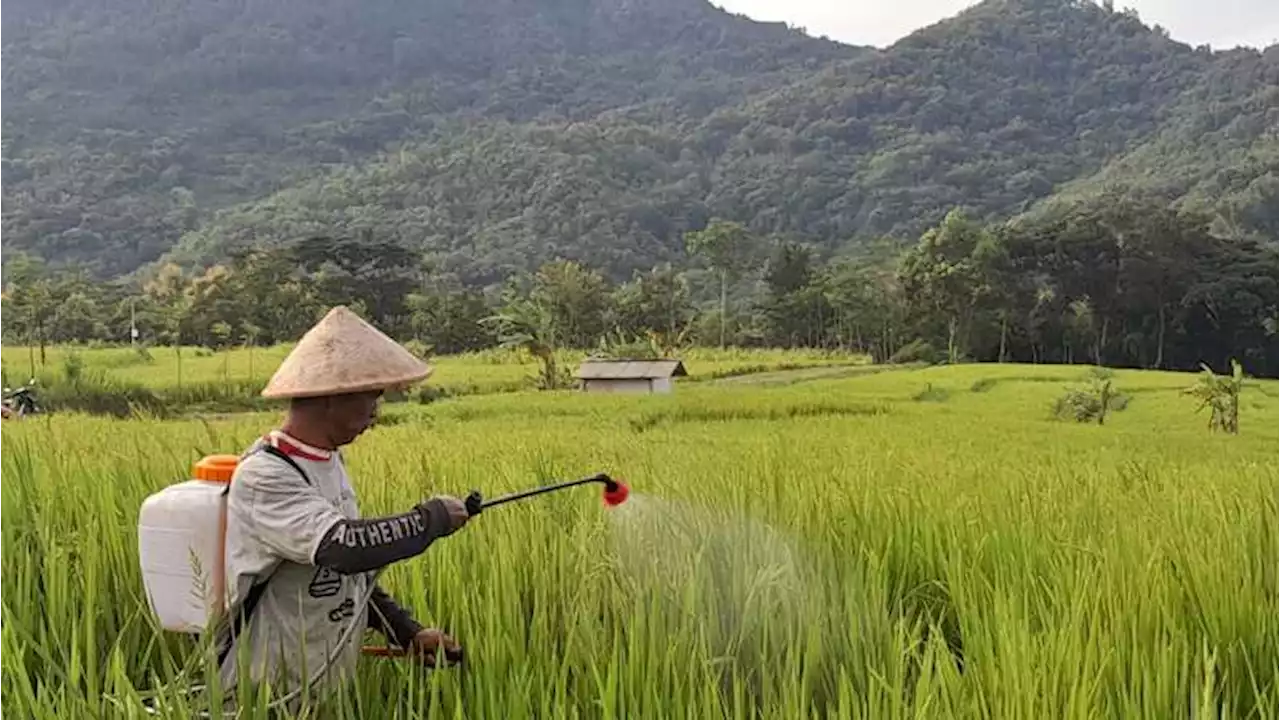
[[430, 643]]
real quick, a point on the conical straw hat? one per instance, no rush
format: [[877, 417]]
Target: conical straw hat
[[344, 354]]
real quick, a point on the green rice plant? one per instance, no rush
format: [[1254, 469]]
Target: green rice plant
[[782, 556], [230, 380]]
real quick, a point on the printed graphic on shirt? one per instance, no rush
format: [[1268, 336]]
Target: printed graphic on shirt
[[325, 583], [343, 611]]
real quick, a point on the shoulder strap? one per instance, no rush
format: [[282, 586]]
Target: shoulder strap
[[279, 455], [282, 455], [241, 618]]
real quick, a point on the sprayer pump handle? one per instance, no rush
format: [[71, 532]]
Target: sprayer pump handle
[[474, 503]]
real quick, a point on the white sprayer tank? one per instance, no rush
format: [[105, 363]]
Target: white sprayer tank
[[181, 546]]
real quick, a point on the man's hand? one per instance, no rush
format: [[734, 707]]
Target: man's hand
[[429, 644], [456, 510]]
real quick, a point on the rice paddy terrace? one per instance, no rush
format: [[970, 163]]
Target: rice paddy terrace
[[801, 542]]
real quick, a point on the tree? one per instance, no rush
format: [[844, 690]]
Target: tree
[[527, 325], [867, 309], [377, 273], [1221, 395], [997, 285], [448, 319], [29, 301], [654, 303], [726, 246], [795, 308], [576, 300], [941, 277]]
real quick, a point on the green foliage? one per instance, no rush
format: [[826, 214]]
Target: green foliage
[[727, 247], [916, 351], [982, 385], [223, 105], [656, 303], [448, 319], [1029, 181], [932, 394], [1221, 396], [1119, 280], [90, 390], [943, 279], [73, 368], [596, 135], [621, 347], [576, 300], [860, 149], [797, 301], [528, 326], [1091, 401]]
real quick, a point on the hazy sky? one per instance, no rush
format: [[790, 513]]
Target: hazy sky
[[1220, 23]]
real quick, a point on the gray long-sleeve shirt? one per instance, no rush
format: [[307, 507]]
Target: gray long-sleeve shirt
[[309, 532]]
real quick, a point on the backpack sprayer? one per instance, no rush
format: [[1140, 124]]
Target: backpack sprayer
[[20, 402], [182, 532]]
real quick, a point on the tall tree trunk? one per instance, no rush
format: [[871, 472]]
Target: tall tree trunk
[[724, 303], [952, 323], [1160, 337], [1004, 336], [964, 334], [1100, 342]]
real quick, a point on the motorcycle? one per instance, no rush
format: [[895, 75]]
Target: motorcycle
[[20, 402]]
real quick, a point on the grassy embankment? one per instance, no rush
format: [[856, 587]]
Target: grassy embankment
[[164, 381]]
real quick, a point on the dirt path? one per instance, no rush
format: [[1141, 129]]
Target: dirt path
[[790, 377]]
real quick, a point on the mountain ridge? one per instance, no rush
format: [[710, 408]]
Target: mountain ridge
[[995, 110]]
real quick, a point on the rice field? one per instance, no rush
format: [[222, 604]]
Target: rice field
[[248, 369], [908, 543]]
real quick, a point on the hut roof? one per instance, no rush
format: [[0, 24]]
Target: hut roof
[[599, 369]]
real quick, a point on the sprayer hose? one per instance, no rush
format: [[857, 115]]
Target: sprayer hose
[[332, 657]]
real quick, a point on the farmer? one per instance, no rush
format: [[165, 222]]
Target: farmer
[[297, 550]]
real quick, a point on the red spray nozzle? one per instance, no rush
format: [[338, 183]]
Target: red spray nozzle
[[615, 493]]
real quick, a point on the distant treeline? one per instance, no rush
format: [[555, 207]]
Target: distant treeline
[[1117, 281]]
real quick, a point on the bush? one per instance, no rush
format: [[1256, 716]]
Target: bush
[[1221, 394], [1092, 401], [916, 351], [93, 392], [982, 385], [430, 393], [931, 394], [73, 367]]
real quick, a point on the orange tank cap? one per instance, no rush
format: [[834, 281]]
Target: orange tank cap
[[215, 468]]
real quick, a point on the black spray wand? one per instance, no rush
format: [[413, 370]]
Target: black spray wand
[[615, 493]]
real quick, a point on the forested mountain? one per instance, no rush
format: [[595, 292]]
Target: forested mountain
[[494, 136], [127, 123]]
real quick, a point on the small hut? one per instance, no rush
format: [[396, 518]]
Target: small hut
[[643, 376]]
